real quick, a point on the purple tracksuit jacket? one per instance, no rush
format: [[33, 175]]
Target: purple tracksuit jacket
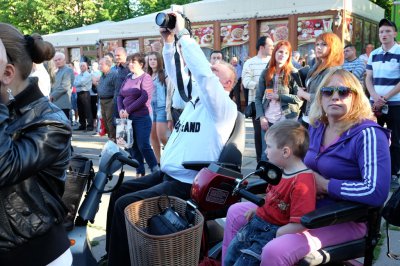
[[358, 164]]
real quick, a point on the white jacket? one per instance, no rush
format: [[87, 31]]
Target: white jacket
[[207, 120]]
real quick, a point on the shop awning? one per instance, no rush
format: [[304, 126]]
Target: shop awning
[[217, 10], [86, 35]]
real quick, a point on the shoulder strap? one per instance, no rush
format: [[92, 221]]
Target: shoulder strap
[[179, 79], [297, 79]]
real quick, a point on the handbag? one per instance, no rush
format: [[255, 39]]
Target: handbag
[[94, 88], [124, 133], [250, 110], [168, 221], [391, 213]]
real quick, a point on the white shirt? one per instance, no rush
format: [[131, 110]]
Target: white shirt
[[207, 120], [251, 74], [43, 79]]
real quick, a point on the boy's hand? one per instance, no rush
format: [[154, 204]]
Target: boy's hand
[[249, 214], [322, 185]]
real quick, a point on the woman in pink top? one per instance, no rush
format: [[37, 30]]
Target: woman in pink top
[[134, 103]]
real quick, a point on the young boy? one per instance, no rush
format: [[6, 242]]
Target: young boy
[[287, 143]]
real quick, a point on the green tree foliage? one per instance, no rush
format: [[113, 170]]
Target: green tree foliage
[[385, 4], [48, 16], [144, 7], [37, 15]]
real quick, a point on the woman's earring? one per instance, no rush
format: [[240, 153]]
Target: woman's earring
[[10, 96]]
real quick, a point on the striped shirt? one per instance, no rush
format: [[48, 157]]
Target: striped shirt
[[251, 74], [386, 71], [357, 67]]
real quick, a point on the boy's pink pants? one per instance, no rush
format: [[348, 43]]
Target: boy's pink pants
[[289, 249]]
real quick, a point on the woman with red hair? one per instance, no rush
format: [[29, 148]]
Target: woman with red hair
[[276, 97], [329, 57]]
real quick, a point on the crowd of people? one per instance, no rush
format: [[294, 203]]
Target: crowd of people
[[311, 117]]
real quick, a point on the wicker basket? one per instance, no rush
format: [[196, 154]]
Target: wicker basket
[[178, 249]]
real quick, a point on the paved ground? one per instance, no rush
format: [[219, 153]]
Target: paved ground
[[88, 145]]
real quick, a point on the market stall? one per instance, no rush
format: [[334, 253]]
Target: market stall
[[233, 26], [79, 41]]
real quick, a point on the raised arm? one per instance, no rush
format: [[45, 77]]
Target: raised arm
[[168, 104], [210, 90]]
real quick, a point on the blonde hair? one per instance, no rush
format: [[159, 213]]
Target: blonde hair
[[360, 109]]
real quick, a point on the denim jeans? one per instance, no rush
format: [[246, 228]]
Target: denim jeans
[[141, 148], [159, 113], [245, 249]]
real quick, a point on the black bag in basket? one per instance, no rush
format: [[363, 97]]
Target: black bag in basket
[[168, 221]]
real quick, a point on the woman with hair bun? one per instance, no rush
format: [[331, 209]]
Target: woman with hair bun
[[34, 154]]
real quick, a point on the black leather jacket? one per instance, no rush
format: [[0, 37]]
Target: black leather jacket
[[34, 154]]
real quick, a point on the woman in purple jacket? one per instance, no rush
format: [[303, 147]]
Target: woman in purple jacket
[[134, 103], [349, 154]]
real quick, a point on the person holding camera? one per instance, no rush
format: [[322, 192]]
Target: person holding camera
[[205, 126]]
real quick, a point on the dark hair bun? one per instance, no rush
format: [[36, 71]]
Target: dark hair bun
[[40, 50]]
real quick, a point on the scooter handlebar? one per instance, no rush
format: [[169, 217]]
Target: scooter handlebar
[[125, 160], [251, 197]]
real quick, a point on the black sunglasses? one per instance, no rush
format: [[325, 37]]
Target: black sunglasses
[[341, 90]]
